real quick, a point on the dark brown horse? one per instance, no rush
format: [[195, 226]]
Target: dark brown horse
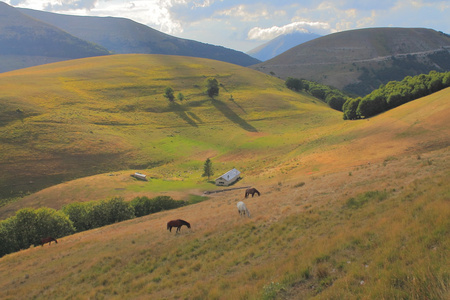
[[48, 240], [252, 192], [177, 223]]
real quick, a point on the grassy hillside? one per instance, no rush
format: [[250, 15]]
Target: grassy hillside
[[374, 226], [348, 210], [84, 117]]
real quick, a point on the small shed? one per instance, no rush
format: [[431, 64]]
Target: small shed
[[228, 178], [140, 176]]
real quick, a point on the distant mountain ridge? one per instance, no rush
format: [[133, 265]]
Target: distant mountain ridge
[[358, 61], [124, 36], [281, 44], [25, 41]]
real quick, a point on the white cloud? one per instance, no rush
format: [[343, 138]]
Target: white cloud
[[258, 33], [160, 15], [243, 13], [64, 5]]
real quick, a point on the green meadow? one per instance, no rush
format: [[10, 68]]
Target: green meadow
[[91, 116]]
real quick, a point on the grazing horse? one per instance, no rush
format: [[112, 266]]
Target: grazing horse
[[177, 223], [48, 240], [242, 209], [252, 191]]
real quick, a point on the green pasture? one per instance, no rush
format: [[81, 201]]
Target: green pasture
[[110, 114]]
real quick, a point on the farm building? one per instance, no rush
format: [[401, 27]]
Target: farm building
[[140, 176], [228, 178]]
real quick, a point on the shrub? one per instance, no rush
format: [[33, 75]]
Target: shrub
[[362, 199], [8, 237], [294, 84], [271, 290], [29, 226], [79, 214], [144, 206], [111, 211], [212, 87]]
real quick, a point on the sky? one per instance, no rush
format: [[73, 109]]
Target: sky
[[245, 24]]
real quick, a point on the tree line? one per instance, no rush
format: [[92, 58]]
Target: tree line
[[332, 96], [388, 96], [28, 226]]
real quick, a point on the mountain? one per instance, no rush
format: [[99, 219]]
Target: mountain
[[124, 36], [358, 61], [281, 44], [25, 41]]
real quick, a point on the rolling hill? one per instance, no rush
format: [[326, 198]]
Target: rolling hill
[[25, 42], [281, 44], [348, 209], [89, 116], [124, 36], [358, 61]]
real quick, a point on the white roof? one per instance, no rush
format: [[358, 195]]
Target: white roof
[[230, 174]]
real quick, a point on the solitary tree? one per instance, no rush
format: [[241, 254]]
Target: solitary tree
[[168, 93], [180, 96], [208, 169], [212, 87]]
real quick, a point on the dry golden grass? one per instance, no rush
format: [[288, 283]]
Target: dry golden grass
[[293, 231]]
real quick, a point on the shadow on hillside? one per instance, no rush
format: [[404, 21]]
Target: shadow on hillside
[[232, 116], [180, 111], [240, 107], [194, 116]]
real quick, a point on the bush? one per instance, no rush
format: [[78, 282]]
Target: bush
[[111, 211], [212, 87], [8, 237], [29, 226], [294, 84], [364, 198], [144, 206], [89, 215], [79, 214]]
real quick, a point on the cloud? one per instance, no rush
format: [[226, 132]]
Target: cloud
[[17, 2], [65, 5], [258, 33], [243, 13]]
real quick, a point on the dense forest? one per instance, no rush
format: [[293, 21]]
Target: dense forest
[[386, 97]]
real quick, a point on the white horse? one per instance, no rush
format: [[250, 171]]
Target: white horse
[[242, 209]]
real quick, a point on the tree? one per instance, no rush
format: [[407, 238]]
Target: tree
[[294, 84], [80, 214], [168, 93], [349, 108], [180, 96], [212, 87], [208, 169]]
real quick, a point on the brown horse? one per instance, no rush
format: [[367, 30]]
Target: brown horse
[[177, 223], [48, 240], [252, 192]]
